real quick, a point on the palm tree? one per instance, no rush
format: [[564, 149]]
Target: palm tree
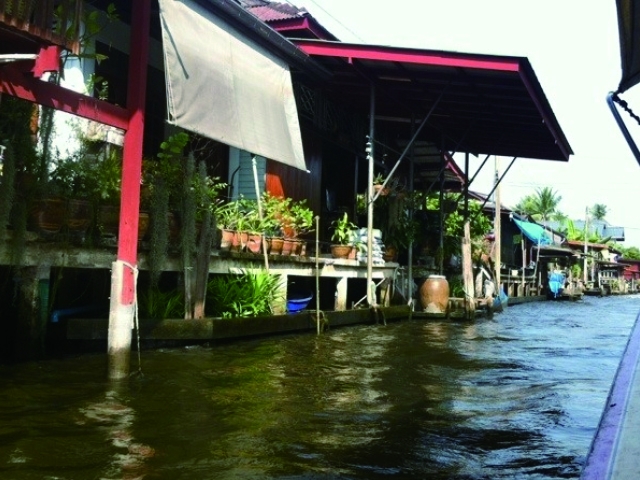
[[598, 211], [546, 202], [526, 205]]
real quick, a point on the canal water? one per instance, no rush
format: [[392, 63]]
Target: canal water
[[516, 396]]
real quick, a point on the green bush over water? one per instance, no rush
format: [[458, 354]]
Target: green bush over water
[[245, 295]]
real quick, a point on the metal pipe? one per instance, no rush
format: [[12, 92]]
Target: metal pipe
[[370, 156]]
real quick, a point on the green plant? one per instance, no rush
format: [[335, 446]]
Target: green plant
[[301, 218], [342, 230], [378, 179], [104, 176], [158, 304], [207, 195], [273, 207], [404, 231], [246, 295], [7, 188]]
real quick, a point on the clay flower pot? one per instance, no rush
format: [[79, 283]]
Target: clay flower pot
[[341, 251]]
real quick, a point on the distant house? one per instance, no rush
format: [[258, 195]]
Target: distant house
[[602, 228]]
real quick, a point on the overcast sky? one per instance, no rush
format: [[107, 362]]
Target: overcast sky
[[573, 48]]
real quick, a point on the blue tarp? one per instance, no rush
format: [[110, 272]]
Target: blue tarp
[[533, 232], [556, 283]]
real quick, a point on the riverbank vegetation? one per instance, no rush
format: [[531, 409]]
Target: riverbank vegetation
[[543, 206]]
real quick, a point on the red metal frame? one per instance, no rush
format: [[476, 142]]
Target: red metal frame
[[132, 152], [17, 79], [14, 81], [422, 57]]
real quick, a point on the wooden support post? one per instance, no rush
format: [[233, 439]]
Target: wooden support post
[[33, 313], [279, 306], [341, 294], [123, 281], [467, 272], [386, 290]]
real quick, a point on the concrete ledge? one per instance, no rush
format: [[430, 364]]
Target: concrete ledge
[[230, 328]]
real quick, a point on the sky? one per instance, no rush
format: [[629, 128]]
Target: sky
[[573, 47]]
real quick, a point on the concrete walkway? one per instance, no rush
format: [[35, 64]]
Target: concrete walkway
[[615, 451]]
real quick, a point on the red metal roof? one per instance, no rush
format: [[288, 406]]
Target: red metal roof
[[489, 104]]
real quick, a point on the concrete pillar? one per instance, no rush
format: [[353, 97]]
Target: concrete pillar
[[120, 325], [341, 294]]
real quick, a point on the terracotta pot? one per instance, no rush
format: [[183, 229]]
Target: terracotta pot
[[434, 294], [390, 253], [297, 247], [108, 220], [383, 191], [226, 239], [287, 246], [239, 242], [276, 245], [254, 242], [341, 251], [47, 216], [79, 214]]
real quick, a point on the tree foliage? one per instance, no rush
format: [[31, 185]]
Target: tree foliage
[[542, 205], [598, 211]]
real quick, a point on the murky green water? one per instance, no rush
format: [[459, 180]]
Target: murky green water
[[518, 396]]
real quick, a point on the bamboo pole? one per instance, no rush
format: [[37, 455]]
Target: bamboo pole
[[467, 272], [497, 231], [586, 230], [317, 275], [258, 200]]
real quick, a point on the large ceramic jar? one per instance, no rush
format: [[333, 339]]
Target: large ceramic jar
[[434, 294]]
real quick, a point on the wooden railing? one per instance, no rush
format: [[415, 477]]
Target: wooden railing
[[52, 21]]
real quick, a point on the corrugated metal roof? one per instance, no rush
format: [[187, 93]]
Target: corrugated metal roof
[[276, 11]]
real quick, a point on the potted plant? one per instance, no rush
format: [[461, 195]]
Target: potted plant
[[302, 224], [273, 207], [342, 236], [71, 179], [225, 216], [378, 181]]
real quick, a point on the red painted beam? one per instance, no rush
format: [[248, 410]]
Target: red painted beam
[[48, 60], [13, 81], [408, 55], [132, 149]]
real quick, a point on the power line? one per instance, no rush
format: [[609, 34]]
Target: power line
[[342, 25]]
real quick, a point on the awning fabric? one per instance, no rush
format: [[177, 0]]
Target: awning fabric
[[533, 232], [223, 85], [629, 29]]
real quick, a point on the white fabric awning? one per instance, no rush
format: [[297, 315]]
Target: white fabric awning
[[224, 86]]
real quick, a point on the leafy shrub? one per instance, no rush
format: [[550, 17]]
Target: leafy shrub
[[158, 304], [246, 295]]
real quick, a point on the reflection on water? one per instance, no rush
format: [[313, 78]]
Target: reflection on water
[[116, 420], [518, 396]]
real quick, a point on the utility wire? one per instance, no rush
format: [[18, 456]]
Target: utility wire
[[342, 25]]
